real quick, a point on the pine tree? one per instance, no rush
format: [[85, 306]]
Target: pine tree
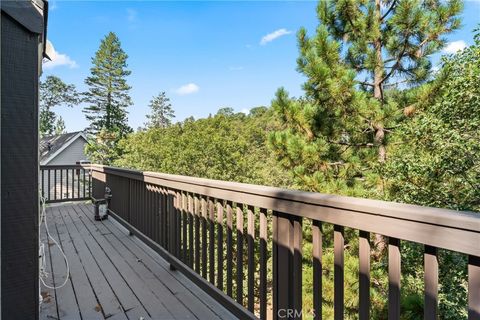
[[358, 64], [108, 93], [54, 92], [161, 112], [59, 126]]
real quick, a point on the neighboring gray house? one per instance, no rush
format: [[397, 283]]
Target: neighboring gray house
[[63, 149]]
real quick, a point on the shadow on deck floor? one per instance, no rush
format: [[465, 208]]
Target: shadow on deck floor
[[113, 275]]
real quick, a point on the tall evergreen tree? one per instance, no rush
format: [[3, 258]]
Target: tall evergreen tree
[[362, 57], [59, 126], [108, 93], [161, 112], [54, 92]]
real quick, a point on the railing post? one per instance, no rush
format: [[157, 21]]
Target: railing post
[[473, 288], [287, 280]]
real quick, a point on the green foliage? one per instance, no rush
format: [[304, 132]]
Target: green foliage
[[60, 126], [434, 162], [161, 112], [54, 92], [108, 93], [360, 54], [226, 146], [435, 159], [102, 148]]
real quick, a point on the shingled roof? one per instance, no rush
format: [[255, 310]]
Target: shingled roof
[[49, 145]]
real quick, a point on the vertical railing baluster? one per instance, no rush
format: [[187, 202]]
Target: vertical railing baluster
[[61, 184], [78, 184], [164, 218], [48, 185], [66, 183], [211, 240], [229, 248], [55, 184], [172, 223], [184, 207], [317, 268], [473, 288], [84, 183], [263, 263], [148, 211], [204, 238], [239, 265], [191, 212], [339, 243], [197, 234], [431, 283], [220, 245], [394, 272], [90, 185], [364, 275], [251, 258], [178, 221], [297, 267], [73, 184], [43, 183]]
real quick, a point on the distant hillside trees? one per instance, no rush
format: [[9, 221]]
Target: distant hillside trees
[[228, 146], [161, 112], [54, 92]]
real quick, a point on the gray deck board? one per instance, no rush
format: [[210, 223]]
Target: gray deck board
[[159, 291], [66, 300], [149, 300], [107, 299], [134, 309], [114, 275], [86, 298], [49, 305], [161, 272]]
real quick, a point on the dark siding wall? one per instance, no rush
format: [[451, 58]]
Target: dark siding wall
[[19, 171]]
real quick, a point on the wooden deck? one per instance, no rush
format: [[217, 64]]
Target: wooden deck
[[113, 275]]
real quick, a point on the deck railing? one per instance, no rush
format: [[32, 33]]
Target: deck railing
[[60, 183], [208, 228]]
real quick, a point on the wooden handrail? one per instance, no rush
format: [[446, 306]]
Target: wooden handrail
[[176, 213]]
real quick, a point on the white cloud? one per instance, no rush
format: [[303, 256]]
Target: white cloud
[[188, 88], [246, 111], [58, 59], [132, 15], [235, 68], [274, 35], [455, 46]]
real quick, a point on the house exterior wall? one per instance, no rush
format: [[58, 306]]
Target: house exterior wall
[[71, 154], [19, 171]]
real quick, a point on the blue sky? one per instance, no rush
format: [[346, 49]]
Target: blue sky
[[204, 55]]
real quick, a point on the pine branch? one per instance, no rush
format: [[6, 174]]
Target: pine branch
[[365, 83], [394, 3]]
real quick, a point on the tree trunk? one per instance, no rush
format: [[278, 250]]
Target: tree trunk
[[378, 86], [379, 240]]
